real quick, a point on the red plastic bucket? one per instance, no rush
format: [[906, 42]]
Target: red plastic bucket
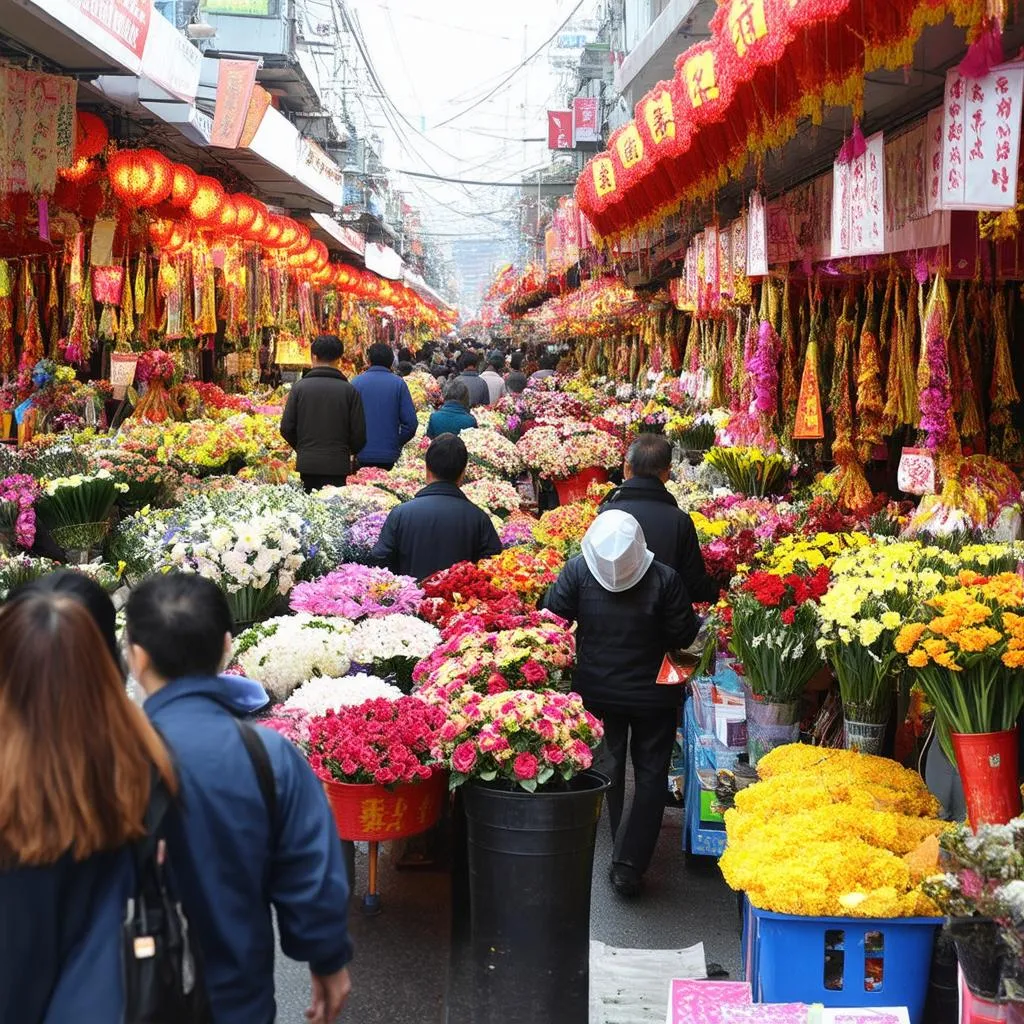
[[987, 762], [370, 813], [574, 488]]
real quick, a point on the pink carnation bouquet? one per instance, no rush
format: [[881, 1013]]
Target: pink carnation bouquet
[[382, 741], [475, 660], [357, 591], [520, 739], [17, 509]]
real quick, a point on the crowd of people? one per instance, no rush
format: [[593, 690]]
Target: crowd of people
[[89, 780]]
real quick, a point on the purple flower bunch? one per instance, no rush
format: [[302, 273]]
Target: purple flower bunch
[[515, 532], [364, 532], [763, 368], [357, 592], [17, 507]]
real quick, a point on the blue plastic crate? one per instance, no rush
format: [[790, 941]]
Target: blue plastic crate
[[839, 961]]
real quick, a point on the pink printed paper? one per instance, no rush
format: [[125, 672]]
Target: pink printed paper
[[702, 1002], [866, 1018], [766, 1013]]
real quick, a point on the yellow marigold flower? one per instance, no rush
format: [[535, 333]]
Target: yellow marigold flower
[[918, 659], [1013, 659], [908, 637], [979, 638]]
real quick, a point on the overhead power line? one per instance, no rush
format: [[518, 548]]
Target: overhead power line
[[492, 184], [515, 71]]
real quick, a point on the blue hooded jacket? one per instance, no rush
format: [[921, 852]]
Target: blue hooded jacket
[[390, 414], [229, 865], [60, 924]]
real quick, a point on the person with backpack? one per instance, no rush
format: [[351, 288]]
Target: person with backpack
[[78, 762], [255, 829]]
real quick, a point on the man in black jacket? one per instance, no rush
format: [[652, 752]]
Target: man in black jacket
[[323, 419], [669, 531], [440, 526], [630, 612]]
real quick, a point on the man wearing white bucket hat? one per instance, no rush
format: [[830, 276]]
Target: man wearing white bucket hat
[[630, 612]]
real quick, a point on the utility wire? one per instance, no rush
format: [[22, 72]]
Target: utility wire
[[501, 85]]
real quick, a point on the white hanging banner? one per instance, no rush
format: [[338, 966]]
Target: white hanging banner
[[858, 202], [757, 237], [691, 275], [981, 120], [739, 249], [711, 259], [933, 159]]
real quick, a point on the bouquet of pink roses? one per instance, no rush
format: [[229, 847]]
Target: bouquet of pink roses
[[520, 739]]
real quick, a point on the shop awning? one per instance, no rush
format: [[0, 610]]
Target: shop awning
[[339, 235], [418, 285], [383, 261]]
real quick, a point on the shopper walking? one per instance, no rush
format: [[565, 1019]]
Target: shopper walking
[[388, 408], [323, 419], [492, 376], [76, 763], [454, 416], [548, 365], [255, 829], [440, 526], [479, 393], [669, 531], [630, 612]]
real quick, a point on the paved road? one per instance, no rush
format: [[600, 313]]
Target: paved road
[[401, 972]]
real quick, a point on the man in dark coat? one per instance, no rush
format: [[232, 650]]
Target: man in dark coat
[[440, 526], [669, 531], [630, 612], [469, 374], [323, 419]]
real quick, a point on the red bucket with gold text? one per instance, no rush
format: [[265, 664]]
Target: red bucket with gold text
[[373, 813], [575, 487]]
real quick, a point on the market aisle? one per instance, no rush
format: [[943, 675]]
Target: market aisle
[[402, 957]]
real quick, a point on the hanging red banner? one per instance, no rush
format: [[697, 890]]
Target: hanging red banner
[[559, 129], [809, 423], [236, 80]]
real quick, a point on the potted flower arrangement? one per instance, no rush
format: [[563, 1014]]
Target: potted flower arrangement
[[981, 889], [774, 633], [873, 592], [356, 592], [967, 652], [283, 653], [77, 509], [377, 764], [571, 453], [522, 762], [751, 470], [491, 454], [393, 645], [18, 494]]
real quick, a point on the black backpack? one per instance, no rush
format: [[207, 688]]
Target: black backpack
[[163, 975]]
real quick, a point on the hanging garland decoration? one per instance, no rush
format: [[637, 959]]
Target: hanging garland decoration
[[933, 376], [852, 490], [8, 358], [870, 404], [763, 367], [965, 394], [901, 385], [1003, 392], [790, 387], [31, 335], [52, 310]]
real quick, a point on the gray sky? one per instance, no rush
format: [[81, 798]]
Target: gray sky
[[436, 60]]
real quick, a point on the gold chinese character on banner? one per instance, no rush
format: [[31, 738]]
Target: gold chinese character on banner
[[747, 24], [372, 816], [630, 147], [660, 117], [604, 176], [701, 81]]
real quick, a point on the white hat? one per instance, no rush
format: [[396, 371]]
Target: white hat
[[615, 551]]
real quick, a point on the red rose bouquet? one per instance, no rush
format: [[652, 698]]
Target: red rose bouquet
[[464, 588], [521, 739], [382, 741]]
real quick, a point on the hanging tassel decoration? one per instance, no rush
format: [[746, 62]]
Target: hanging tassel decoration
[[870, 407]]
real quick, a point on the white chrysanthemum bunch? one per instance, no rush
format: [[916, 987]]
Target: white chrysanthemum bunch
[[318, 696]]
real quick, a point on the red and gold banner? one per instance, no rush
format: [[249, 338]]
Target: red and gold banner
[[810, 424], [236, 80]]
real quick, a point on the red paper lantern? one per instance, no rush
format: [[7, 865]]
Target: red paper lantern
[[321, 257], [342, 276], [273, 231], [184, 184], [227, 218], [140, 177], [161, 232], [304, 237], [261, 217], [245, 207], [91, 135], [289, 234], [209, 198], [179, 237], [82, 170]]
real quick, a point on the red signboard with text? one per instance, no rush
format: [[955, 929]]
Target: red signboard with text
[[585, 126], [126, 20], [559, 129]]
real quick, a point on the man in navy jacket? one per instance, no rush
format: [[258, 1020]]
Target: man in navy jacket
[[230, 861], [440, 526], [388, 407]]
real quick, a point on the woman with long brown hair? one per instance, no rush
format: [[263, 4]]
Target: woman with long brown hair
[[76, 767]]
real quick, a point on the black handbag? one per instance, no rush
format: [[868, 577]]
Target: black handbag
[[163, 980]]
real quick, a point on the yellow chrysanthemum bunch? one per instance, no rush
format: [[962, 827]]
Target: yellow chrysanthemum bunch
[[796, 550], [831, 833]]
